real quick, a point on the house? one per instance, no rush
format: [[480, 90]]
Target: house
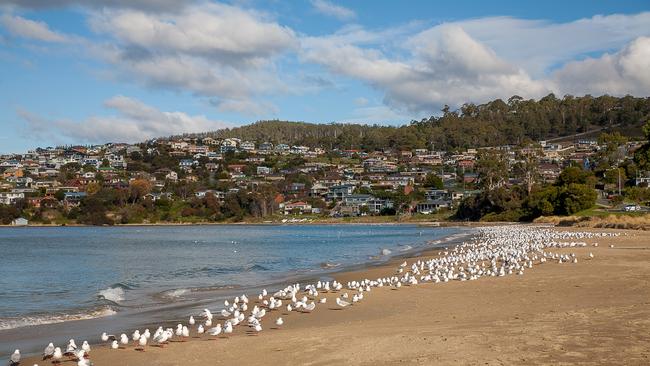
[[21, 221], [266, 146], [642, 181], [219, 195], [436, 194], [295, 208], [263, 170], [296, 188], [157, 196], [172, 176], [236, 168], [73, 198], [317, 190], [247, 146], [340, 191], [9, 198], [210, 141], [186, 163], [430, 206]]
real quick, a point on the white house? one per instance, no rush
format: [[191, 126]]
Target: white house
[[20, 222]]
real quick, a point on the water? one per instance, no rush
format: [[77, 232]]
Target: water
[[57, 275]]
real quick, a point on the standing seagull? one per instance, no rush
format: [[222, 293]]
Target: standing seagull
[[57, 356], [15, 357], [48, 352], [143, 342]]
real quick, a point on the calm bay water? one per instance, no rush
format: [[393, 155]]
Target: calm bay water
[[59, 274]]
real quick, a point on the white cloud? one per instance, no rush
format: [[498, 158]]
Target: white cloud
[[224, 33], [482, 59], [623, 72], [134, 122], [31, 29], [211, 50], [330, 9]]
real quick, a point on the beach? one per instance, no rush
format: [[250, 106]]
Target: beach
[[596, 311]]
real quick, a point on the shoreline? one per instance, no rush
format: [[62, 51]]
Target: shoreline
[[207, 298], [314, 222]]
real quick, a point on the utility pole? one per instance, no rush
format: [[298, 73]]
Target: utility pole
[[619, 180]]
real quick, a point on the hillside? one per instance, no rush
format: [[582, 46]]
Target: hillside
[[494, 123]]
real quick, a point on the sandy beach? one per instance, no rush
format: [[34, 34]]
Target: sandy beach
[[596, 311]]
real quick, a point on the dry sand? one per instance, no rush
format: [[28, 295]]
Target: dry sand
[[595, 312]]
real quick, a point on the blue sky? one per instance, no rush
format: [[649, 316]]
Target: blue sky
[[94, 71]]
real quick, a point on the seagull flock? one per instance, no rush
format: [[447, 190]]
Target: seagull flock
[[492, 252]]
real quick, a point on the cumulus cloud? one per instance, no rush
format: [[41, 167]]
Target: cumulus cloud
[[482, 59], [623, 72], [135, 121], [224, 33], [330, 9], [26, 28], [211, 50]]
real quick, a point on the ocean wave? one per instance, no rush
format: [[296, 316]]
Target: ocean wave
[[256, 267], [113, 294], [405, 248], [329, 265], [175, 293], [26, 321]]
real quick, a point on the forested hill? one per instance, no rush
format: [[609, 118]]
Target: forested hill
[[495, 123]]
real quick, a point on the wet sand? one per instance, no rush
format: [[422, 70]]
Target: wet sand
[[594, 312]]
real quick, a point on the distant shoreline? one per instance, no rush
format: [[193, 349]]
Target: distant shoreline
[[274, 223]]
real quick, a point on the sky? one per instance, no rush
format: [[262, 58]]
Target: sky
[[96, 71]]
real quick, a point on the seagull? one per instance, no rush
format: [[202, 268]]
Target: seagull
[[208, 323], [58, 355], [258, 327], [341, 303], [142, 342], [107, 337], [136, 335], [15, 357], [200, 329], [48, 352], [85, 347], [208, 314], [215, 331], [161, 338], [591, 255], [115, 345], [309, 307], [192, 321], [279, 322], [82, 360], [323, 300], [227, 328], [72, 347], [124, 339]]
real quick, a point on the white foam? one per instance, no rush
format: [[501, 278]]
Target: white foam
[[11, 323], [176, 293], [114, 294], [385, 251]]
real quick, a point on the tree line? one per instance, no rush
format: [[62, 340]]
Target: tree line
[[497, 122]]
